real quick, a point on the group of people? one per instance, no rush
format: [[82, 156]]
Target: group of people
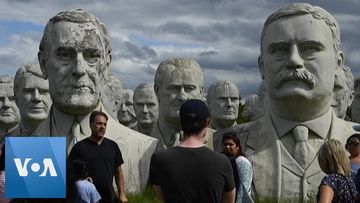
[[300, 59], [342, 180]]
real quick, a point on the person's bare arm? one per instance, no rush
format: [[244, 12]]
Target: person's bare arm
[[158, 192], [119, 179], [326, 194], [228, 197]]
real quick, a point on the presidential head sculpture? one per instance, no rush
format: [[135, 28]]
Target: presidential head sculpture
[[112, 95], [9, 112], [300, 54], [126, 114], [223, 100], [74, 55], [343, 92], [355, 106], [177, 80], [253, 107], [32, 96], [146, 107]]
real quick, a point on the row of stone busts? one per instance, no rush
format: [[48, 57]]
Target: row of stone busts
[[74, 84], [153, 108], [27, 97], [139, 109]]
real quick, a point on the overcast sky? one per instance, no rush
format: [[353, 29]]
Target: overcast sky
[[222, 35]]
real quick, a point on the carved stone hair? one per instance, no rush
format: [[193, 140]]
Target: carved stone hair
[[26, 70], [349, 77], [175, 63], [75, 16], [112, 86], [5, 79], [212, 89], [149, 86], [305, 9]]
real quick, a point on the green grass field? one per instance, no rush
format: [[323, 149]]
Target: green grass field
[[148, 196]]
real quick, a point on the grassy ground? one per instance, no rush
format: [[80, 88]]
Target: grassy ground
[[148, 196]]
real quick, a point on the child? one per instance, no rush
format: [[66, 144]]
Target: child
[[84, 190]]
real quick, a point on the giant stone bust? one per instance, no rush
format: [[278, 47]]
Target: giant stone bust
[[112, 95], [223, 100], [32, 97], [126, 113], [75, 55], [176, 80], [252, 107], [355, 106], [9, 112], [300, 56], [343, 92], [146, 107]]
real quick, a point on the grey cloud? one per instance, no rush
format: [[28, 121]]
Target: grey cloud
[[208, 53], [224, 34], [177, 27], [128, 49]]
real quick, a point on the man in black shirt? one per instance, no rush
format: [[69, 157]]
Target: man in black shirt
[[103, 159], [190, 172]]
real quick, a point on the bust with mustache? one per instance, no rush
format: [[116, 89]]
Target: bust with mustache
[[300, 57]]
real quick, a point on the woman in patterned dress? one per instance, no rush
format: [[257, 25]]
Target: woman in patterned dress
[[337, 185]]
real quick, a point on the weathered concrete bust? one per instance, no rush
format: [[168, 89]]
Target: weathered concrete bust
[[176, 80], [126, 114], [253, 108], [112, 95], [75, 54], [355, 106], [9, 112], [343, 94], [75, 90], [223, 100], [146, 107], [32, 97], [300, 55]]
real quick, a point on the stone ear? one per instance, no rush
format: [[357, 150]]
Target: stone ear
[[42, 63], [156, 90], [109, 59], [261, 67], [340, 60]]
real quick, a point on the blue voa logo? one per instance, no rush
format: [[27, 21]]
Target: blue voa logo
[[35, 167], [48, 165]]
